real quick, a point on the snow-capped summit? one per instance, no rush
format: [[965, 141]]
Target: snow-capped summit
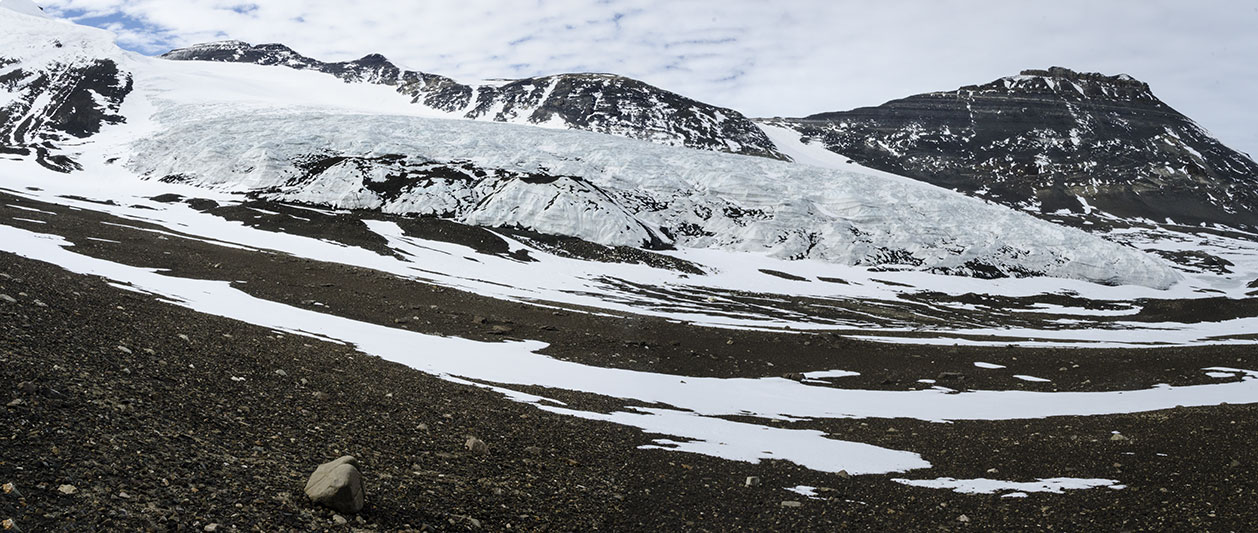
[[604, 103], [1056, 142]]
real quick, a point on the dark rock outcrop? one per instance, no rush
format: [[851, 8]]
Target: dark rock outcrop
[[603, 103], [1053, 140]]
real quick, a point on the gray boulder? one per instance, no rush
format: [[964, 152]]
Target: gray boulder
[[337, 485]]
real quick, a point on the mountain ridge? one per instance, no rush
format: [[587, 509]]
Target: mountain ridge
[[599, 102]]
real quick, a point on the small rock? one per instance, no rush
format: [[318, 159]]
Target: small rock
[[210, 528], [478, 319], [752, 481], [9, 488], [793, 376], [1117, 437], [791, 504], [963, 519], [843, 474], [184, 337], [321, 396], [501, 330], [7, 299], [476, 445], [67, 489], [1235, 463], [339, 520], [337, 485], [40, 304], [943, 376], [532, 450], [124, 349], [9, 525], [281, 373], [16, 402]]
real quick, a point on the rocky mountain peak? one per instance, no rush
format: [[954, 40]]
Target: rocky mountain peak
[[1058, 143], [1062, 73], [1070, 85]]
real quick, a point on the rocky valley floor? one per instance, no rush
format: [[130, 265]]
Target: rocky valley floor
[[127, 412]]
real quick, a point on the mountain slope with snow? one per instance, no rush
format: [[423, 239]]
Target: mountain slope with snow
[[58, 83], [604, 103], [301, 136], [1053, 142]]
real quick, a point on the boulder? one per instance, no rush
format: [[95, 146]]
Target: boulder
[[337, 485], [476, 446]]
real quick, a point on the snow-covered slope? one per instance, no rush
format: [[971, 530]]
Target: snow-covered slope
[[604, 103], [303, 136]]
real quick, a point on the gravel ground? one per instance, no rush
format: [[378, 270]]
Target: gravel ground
[[161, 418]]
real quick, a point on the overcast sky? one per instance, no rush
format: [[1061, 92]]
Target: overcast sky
[[764, 58]]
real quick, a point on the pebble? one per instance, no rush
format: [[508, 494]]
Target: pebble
[[320, 395], [751, 481], [16, 402], [210, 528], [281, 373], [124, 349], [339, 520], [1117, 437], [67, 489], [963, 519], [8, 299], [792, 504]]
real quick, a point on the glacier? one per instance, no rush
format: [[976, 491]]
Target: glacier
[[617, 191]]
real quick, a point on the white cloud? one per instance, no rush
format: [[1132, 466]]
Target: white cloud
[[785, 58]]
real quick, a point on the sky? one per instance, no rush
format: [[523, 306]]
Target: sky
[[763, 58]]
